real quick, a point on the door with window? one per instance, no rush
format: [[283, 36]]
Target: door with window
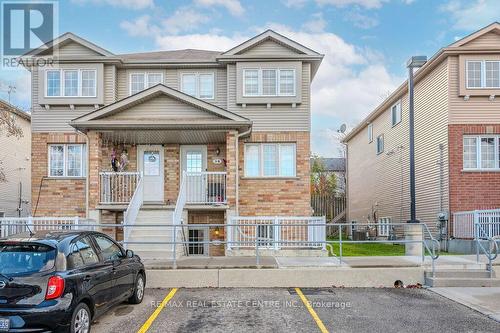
[[151, 164], [194, 163]]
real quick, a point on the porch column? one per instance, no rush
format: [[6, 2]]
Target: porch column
[[95, 156], [231, 138]]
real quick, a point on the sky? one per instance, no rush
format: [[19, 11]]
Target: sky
[[365, 42]]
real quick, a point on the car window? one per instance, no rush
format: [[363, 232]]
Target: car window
[[82, 253], [109, 250], [24, 258]]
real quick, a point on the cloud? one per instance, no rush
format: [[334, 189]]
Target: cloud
[[141, 26], [369, 4], [472, 15], [316, 24], [294, 3], [20, 79], [233, 6], [129, 4], [360, 20]]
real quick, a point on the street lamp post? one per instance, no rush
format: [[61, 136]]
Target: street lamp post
[[413, 62]]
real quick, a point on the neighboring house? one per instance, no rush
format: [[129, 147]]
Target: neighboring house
[[335, 166], [220, 134], [15, 189], [457, 139]]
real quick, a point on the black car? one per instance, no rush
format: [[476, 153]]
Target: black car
[[62, 280]]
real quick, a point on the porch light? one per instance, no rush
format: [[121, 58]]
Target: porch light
[[217, 151]]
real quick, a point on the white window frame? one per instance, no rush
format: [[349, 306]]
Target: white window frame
[[83, 157], [370, 132], [61, 82], [396, 108], [483, 74], [261, 159], [380, 137], [260, 82], [146, 80], [197, 84], [478, 153]]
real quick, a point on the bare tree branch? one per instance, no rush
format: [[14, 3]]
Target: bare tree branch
[[8, 127]]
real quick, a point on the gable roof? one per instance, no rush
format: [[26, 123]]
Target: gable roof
[[186, 55], [4, 105], [273, 35], [493, 27], [333, 164], [225, 116], [64, 39]]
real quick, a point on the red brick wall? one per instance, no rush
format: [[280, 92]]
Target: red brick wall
[[471, 190], [58, 196]]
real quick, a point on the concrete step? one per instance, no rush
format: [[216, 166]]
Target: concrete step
[[462, 282], [153, 254], [151, 231], [469, 273], [136, 237]]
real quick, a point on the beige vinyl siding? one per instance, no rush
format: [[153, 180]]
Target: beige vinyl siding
[[16, 165], [163, 107], [278, 117], [380, 183], [73, 49], [477, 110], [269, 48], [55, 119], [109, 84], [490, 39]]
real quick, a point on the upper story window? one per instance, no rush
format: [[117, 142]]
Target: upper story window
[[199, 85], [67, 160], [71, 83], [481, 152], [396, 113], [269, 82], [380, 144], [482, 74], [141, 81], [270, 160], [370, 133]]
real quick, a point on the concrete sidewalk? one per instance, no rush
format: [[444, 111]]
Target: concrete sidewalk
[[484, 300]]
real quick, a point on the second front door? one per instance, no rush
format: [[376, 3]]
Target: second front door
[[150, 161]]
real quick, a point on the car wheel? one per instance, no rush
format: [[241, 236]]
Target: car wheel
[[138, 294], [81, 319]]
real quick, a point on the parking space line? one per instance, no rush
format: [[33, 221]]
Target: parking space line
[[155, 314], [313, 313]]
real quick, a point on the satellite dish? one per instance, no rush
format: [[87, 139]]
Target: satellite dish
[[343, 128]]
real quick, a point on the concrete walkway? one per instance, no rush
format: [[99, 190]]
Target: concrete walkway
[[484, 300]]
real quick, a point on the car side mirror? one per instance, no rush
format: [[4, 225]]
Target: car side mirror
[[129, 254]]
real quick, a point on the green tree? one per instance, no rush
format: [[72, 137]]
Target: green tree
[[322, 181]]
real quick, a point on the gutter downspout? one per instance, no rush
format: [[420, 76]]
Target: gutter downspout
[[237, 183]]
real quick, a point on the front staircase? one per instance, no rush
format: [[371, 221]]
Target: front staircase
[[150, 227], [462, 278]]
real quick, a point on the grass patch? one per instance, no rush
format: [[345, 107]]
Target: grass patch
[[368, 249]]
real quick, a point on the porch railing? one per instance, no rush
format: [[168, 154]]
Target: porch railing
[[15, 225], [274, 232], [463, 223], [117, 187], [205, 187], [135, 204]]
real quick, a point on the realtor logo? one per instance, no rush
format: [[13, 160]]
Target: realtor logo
[[26, 25]]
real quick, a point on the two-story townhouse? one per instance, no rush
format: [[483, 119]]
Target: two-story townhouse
[[457, 140], [159, 137]]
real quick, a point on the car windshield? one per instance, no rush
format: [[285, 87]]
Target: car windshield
[[25, 258]]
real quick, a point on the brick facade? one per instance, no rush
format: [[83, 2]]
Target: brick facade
[[471, 190], [54, 196], [277, 196], [211, 217]]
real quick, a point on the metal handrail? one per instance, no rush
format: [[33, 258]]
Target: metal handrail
[[489, 253], [135, 204]]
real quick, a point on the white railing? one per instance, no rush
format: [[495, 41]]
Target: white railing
[[117, 187], [181, 201], [205, 187], [15, 225], [276, 232], [463, 223], [135, 204]]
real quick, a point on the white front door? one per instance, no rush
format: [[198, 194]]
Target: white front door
[[150, 160], [194, 162]]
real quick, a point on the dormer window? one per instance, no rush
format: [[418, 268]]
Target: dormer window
[[266, 82], [482, 74], [141, 81]]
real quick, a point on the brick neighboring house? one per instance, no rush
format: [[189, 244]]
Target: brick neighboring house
[[220, 134], [457, 139]]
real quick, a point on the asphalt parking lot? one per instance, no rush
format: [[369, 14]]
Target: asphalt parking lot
[[283, 310]]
